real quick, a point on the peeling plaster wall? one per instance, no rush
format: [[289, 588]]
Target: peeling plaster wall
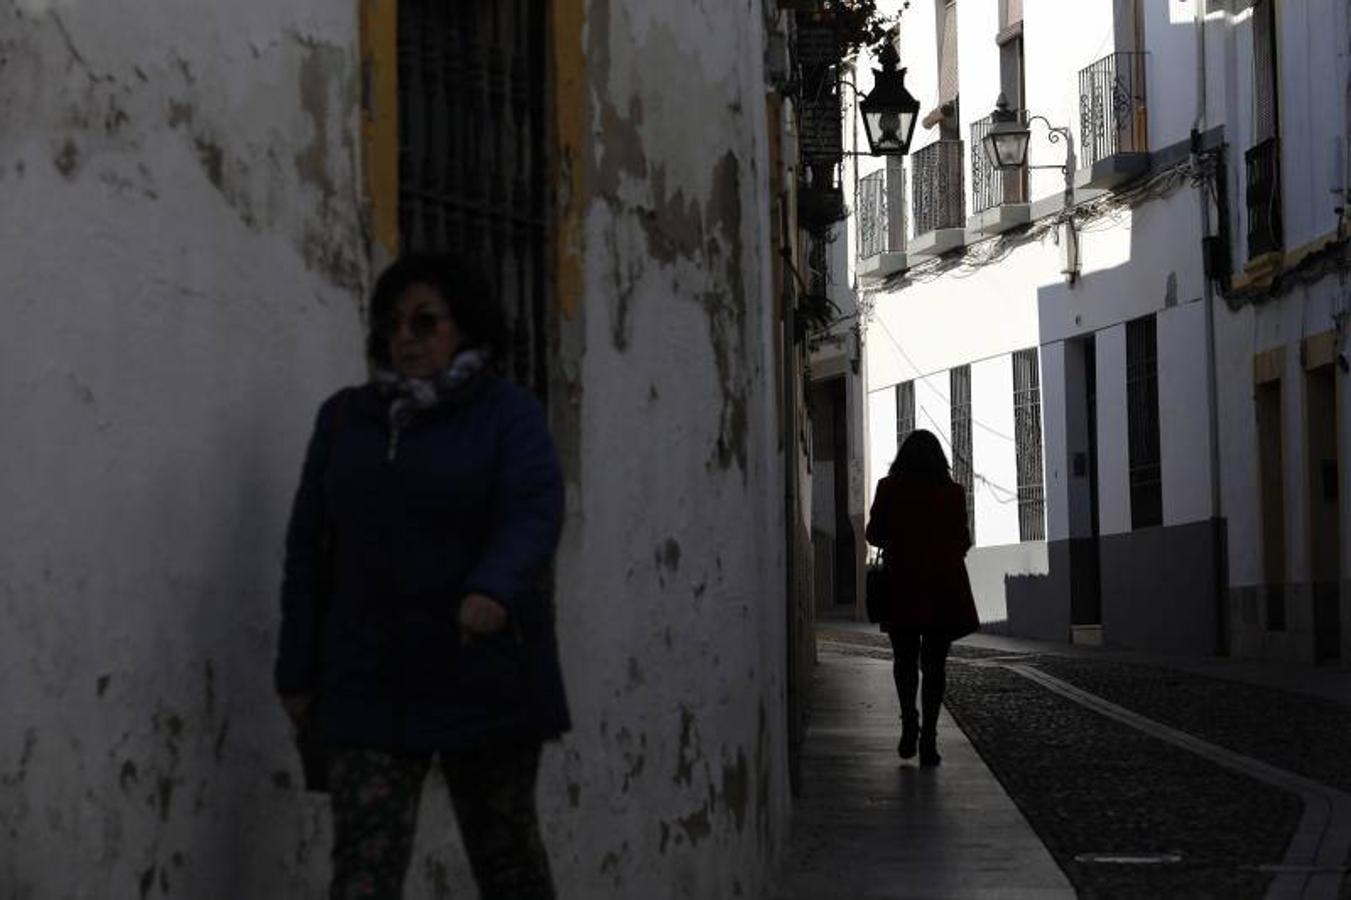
[[671, 585], [182, 263]]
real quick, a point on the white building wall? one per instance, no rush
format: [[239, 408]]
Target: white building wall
[[1055, 427], [1170, 32], [184, 267], [933, 407], [993, 452], [1114, 499], [1184, 419], [675, 775], [1313, 51], [1059, 39], [882, 436], [1239, 467]]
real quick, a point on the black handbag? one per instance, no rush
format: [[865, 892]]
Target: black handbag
[[877, 588]]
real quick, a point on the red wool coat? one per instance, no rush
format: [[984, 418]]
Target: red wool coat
[[923, 530]]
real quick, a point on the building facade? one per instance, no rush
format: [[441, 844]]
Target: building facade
[[1129, 344], [195, 205]]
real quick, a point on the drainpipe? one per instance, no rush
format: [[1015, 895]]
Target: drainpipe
[[796, 690], [1218, 535]]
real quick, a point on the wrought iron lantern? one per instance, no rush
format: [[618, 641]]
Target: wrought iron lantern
[[889, 111], [1007, 140]]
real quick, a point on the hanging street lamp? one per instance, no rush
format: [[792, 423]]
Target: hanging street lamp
[[889, 110], [1006, 141]]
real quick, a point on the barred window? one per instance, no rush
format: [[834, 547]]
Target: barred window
[[471, 152], [1027, 437], [962, 470], [905, 411], [1142, 408]]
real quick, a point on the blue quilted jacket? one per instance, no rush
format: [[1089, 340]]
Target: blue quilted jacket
[[388, 533]]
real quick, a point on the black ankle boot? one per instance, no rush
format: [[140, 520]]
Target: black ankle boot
[[928, 750], [909, 737]]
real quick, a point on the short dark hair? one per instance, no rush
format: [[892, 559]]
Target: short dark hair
[[459, 280], [921, 460]]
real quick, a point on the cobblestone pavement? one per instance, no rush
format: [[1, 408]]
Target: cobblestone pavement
[[1094, 788]]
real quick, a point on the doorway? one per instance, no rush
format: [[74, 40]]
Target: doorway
[[1085, 561], [833, 543], [1323, 486]]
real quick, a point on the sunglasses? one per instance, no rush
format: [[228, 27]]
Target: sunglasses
[[421, 324]]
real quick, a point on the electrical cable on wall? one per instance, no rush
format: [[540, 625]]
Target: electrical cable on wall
[[1086, 215], [942, 396], [994, 486]]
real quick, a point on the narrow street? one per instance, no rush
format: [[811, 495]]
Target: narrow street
[[1070, 771]]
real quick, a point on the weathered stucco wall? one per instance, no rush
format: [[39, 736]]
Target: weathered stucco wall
[[671, 585], [181, 262]]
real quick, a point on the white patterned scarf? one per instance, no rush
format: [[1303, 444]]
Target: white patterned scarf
[[413, 395]]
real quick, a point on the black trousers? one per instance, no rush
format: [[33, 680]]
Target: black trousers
[[913, 652], [375, 798]]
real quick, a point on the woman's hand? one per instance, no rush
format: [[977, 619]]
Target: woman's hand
[[300, 709], [481, 614]]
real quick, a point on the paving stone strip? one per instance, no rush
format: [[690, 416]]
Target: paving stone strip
[[1097, 790], [1313, 865]]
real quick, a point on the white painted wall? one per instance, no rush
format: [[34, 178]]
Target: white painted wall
[[1184, 420], [1055, 430], [679, 771], [993, 452], [183, 266], [1170, 45], [882, 436], [1114, 497]]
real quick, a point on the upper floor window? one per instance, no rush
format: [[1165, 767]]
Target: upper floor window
[[1262, 161]]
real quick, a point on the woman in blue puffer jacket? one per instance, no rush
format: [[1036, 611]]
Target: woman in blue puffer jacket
[[416, 621]]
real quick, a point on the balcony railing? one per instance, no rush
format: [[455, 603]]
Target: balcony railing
[[1266, 232], [991, 187], [937, 189], [878, 231], [1112, 107]]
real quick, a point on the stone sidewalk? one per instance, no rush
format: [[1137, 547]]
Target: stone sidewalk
[[870, 825]]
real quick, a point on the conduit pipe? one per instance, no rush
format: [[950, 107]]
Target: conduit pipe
[[1220, 563]]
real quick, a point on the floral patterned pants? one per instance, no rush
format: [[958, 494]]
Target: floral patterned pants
[[375, 797]]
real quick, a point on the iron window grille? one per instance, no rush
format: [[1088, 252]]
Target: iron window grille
[[991, 187], [471, 88], [1142, 419], [1112, 106], [905, 411], [872, 214], [877, 207], [937, 188], [1266, 230], [1027, 445], [963, 471]]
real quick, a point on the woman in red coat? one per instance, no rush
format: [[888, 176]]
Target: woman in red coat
[[919, 520]]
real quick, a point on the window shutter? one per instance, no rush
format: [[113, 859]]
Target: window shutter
[[947, 55], [1264, 70]]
